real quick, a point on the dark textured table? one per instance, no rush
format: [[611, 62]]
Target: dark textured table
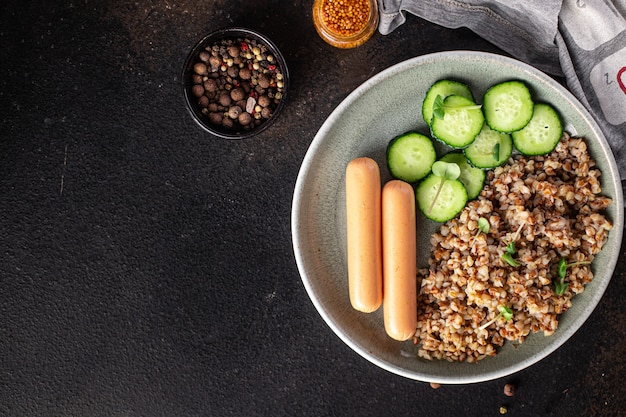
[[146, 267]]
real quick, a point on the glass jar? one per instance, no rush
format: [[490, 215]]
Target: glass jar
[[345, 23]]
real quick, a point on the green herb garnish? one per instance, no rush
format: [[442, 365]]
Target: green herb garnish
[[508, 258], [504, 312], [439, 107], [448, 171], [510, 249], [560, 286], [496, 151], [483, 226]]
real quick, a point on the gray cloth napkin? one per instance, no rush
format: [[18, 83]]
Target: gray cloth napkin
[[581, 40]]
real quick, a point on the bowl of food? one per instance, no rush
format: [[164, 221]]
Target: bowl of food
[[235, 83], [503, 282]]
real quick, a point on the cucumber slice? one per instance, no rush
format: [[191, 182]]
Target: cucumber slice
[[410, 156], [472, 178], [449, 196], [490, 149], [508, 106], [443, 88], [541, 134], [462, 121]]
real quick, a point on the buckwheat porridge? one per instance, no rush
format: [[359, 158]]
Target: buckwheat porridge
[[544, 213]]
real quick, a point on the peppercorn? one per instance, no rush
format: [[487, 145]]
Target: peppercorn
[[214, 62], [200, 69], [237, 94], [233, 72], [509, 390], [210, 85], [264, 101], [227, 123], [435, 385], [241, 104], [245, 73], [245, 118], [266, 113], [215, 118], [224, 99], [233, 51], [203, 101], [204, 56], [234, 112], [264, 81], [197, 90]]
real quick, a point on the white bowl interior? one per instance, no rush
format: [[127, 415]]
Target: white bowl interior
[[390, 104]]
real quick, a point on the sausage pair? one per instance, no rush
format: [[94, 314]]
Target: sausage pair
[[381, 234]]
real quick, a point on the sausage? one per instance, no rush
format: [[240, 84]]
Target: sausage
[[399, 260], [364, 235]]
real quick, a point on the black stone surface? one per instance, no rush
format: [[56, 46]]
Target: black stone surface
[[146, 267]]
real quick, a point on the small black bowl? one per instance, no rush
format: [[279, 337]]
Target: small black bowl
[[261, 82]]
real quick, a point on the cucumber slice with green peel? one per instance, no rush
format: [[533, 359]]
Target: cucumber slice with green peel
[[541, 135], [472, 178], [508, 106], [490, 149], [440, 199], [410, 156], [443, 88], [462, 120]]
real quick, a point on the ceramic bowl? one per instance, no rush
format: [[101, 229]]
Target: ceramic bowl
[[384, 106], [261, 93]]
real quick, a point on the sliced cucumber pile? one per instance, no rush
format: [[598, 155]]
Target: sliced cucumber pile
[[475, 138]]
